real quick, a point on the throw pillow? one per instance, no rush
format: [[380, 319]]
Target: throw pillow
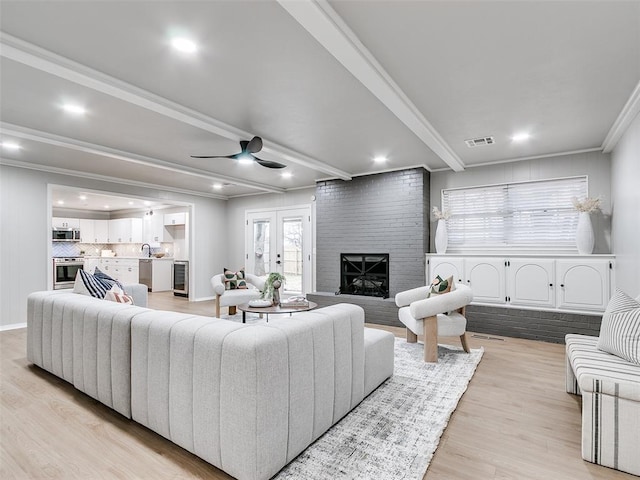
[[234, 280], [106, 279], [620, 328], [116, 294], [440, 286], [87, 284]]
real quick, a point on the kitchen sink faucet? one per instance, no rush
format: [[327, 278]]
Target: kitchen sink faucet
[[142, 249]]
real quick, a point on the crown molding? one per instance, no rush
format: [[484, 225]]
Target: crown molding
[[326, 26], [36, 57], [91, 148], [627, 115]]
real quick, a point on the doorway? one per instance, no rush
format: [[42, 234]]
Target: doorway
[[280, 241]]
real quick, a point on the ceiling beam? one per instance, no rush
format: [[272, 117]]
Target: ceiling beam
[[326, 26], [36, 57], [101, 150]]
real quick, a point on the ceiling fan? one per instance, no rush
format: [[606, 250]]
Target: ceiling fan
[[248, 149]]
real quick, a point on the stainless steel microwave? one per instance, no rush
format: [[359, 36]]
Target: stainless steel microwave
[[66, 235]]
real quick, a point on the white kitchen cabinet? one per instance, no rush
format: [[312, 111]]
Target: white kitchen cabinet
[[584, 284], [87, 232], [486, 277], [562, 282], [125, 230], [125, 270], [154, 229], [175, 218], [90, 264], [100, 231], [531, 282], [63, 222], [162, 275]]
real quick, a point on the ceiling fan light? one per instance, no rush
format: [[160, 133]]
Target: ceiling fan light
[[245, 159]]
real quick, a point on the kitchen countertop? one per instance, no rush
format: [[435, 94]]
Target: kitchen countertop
[[124, 257]]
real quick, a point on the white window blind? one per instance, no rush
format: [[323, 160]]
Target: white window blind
[[524, 216]]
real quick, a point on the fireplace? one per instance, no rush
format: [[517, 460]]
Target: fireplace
[[364, 274]]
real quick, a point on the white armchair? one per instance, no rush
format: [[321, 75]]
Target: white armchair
[[233, 298], [428, 316]]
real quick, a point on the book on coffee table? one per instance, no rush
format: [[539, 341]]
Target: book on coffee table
[[298, 301]]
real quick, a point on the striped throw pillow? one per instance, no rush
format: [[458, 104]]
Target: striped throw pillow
[[87, 284], [116, 294], [106, 279], [620, 329]]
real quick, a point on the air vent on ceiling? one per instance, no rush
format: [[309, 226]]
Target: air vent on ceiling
[[479, 142]]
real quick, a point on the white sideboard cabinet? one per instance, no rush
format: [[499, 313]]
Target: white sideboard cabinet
[[569, 283]]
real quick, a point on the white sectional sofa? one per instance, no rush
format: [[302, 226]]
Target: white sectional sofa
[[245, 398]]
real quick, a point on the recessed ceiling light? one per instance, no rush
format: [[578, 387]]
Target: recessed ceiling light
[[147, 203], [74, 108], [520, 137], [82, 197], [11, 146], [217, 186], [130, 203], [287, 175], [184, 44], [380, 159], [106, 206], [60, 202]]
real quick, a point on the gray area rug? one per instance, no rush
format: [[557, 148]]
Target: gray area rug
[[394, 432]]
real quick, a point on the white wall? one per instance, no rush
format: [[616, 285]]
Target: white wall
[[625, 188], [236, 208], [596, 165], [25, 237]]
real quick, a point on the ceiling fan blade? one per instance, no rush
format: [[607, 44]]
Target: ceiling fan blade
[[269, 164], [255, 145], [213, 156]]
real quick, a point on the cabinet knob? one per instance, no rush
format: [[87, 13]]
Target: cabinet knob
[[468, 281], [551, 284], [562, 285]]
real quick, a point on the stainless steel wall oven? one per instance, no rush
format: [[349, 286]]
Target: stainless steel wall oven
[[65, 270]]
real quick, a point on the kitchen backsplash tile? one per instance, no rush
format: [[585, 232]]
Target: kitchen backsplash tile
[[72, 249]]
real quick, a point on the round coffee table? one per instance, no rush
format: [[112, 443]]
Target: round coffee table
[[273, 310]]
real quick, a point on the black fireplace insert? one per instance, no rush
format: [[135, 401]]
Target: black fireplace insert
[[364, 274]]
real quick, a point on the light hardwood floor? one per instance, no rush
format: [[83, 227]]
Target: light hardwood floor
[[514, 422]]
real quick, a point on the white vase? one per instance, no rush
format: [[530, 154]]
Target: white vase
[[585, 239], [441, 236]]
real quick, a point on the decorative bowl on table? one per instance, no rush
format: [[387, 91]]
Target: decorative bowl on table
[[259, 303]]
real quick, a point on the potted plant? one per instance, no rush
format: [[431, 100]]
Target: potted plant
[[271, 287]]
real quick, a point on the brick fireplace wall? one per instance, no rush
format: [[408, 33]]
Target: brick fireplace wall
[[381, 213]]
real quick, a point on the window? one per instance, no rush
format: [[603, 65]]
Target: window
[[520, 216]]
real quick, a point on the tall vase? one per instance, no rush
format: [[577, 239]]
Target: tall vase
[[276, 292], [584, 234], [441, 236]]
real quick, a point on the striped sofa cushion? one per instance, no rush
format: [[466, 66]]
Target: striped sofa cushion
[[620, 329], [602, 372]]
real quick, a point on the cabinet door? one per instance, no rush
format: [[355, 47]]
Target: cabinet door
[[136, 231], [583, 284], [119, 230], [486, 277], [446, 267], [162, 278], [100, 231], [63, 222], [531, 282], [87, 233], [90, 265], [175, 218]]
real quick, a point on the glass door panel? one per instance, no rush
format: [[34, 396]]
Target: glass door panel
[[292, 264]]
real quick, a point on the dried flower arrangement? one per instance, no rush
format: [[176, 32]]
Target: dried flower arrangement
[[587, 205], [444, 215]]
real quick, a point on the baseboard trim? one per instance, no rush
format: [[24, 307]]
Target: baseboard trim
[[12, 326]]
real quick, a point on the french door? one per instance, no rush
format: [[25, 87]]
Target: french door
[[280, 241]]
